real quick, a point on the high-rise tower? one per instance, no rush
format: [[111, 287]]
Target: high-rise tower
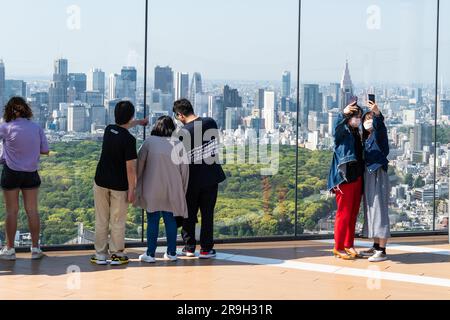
[[346, 87], [181, 85], [60, 84], [196, 86], [286, 84]]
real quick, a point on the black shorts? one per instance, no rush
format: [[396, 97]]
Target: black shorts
[[12, 179]]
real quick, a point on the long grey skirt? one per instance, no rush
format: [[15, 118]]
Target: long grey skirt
[[376, 204]]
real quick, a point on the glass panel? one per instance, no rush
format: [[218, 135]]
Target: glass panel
[[72, 61], [443, 121], [236, 62], [386, 48]]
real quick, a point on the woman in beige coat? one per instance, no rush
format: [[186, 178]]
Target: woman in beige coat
[[163, 173]]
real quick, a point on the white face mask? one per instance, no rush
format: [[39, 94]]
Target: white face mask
[[368, 125], [355, 122]]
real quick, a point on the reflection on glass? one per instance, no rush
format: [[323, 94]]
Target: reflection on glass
[[443, 123], [384, 48], [73, 62], [242, 74]]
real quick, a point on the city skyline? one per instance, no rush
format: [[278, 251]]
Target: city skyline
[[386, 51], [242, 108]]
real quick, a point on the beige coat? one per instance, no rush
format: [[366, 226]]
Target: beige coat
[[162, 176]]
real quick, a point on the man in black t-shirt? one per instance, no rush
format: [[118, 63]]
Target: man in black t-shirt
[[115, 182], [201, 139]]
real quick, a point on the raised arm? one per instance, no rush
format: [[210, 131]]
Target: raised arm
[[339, 129], [379, 128], [140, 122]]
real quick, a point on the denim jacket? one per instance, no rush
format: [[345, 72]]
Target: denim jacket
[[376, 147], [344, 152]]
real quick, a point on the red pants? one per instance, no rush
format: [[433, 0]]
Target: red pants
[[348, 200]]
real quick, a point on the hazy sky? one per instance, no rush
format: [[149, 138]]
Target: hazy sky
[[384, 40]]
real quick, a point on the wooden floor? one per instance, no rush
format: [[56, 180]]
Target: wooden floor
[[419, 268]]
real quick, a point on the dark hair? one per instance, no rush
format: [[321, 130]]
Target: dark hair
[[123, 112], [17, 105], [164, 127], [183, 106]]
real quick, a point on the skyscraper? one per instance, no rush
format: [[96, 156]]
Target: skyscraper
[[58, 87], [110, 118], [164, 79], [2, 84], [39, 104], [444, 108], [196, 86], [335, 90], [78, 81], [15, 88], [93, 98], [76, 117], [216, 110], [96, 81], [98, 115], [259, 99], [285, 104], [181, 85], [232, 118], [286, 84], [419, 97], [332, 121], [346, 87], [231, 98], [201, 104], [310, 101], [421, 136], [115, 85], [269, 110], [128, 78]]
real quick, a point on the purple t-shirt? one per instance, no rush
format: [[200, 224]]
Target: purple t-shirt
[[23, 143]]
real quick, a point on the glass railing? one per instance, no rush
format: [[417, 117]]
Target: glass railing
[[442, 138], [275, 89]]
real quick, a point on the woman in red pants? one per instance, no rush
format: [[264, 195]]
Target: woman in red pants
[[346, 179]]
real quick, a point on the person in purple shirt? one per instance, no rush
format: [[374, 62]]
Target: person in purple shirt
[[23, 143]]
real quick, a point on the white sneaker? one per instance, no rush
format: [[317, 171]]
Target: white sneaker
[[36, 253], [145, 258], [378, 256], [8, 254], [99, 259], [170, 257], [187, 253]]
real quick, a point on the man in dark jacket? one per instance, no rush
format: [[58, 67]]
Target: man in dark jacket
[[201, 139]]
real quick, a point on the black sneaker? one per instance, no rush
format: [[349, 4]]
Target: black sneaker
[[118, 260], [188, 252], [367, 253], [207, 254]]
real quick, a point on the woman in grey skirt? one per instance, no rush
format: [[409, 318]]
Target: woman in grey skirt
[[376, 183]]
